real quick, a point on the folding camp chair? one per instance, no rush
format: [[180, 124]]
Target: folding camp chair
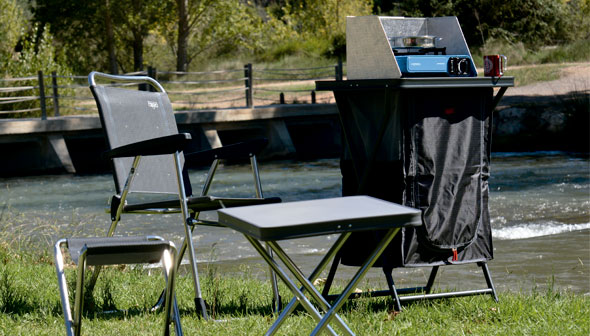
[[112, 251], [147, 154]]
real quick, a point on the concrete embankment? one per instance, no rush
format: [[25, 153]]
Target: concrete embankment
[[545, 116], [74, 144], [550, 115]]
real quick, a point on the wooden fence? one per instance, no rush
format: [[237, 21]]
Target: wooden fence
[[45, 95]]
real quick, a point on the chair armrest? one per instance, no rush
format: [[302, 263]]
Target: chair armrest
[[233, 151], [157, 146]]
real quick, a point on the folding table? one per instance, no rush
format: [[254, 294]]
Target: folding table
[[273, 222]]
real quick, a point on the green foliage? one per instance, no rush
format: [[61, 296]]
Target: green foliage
[[225, 27], [133, 22], [77, 29], [519, 54], [22, 52], [10, 32], [532, 22], [66, 34], [309, 27], [37, 56]]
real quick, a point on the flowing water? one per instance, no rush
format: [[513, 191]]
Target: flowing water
[[539, 205]]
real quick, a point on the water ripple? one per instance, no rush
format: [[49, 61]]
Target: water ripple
[[536, 230]]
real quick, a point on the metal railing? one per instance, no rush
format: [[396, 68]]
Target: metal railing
[[54, 95]]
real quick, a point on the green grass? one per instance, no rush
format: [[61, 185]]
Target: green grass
[[29, 305], [518, 54], [534, 74]]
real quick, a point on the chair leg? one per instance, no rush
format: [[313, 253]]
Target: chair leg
[[63, 287], [188, 244], [79, 295], [171, 307], [277, 304], [276, 300], [200, 304], [188, 237]]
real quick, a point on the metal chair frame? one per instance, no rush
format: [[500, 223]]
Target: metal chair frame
[[73, 321], [190, 215]]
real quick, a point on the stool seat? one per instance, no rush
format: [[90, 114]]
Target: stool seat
[[114, 251]]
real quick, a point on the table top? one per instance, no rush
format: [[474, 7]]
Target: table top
[[290, 220], [416, 83]]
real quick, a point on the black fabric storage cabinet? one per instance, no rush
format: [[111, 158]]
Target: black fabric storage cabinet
[[424, 143]]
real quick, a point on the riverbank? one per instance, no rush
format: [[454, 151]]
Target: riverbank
[[29, 305], [545, 115]]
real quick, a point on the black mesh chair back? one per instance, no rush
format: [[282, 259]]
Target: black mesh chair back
[[130, 116]]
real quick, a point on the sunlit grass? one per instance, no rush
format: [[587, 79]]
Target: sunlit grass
[[29, 305]]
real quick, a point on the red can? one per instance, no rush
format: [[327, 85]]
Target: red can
[[494, 65]]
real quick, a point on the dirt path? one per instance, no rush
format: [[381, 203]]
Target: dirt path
[[575, 77]]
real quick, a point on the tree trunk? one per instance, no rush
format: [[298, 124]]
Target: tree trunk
[[183, 32], [138, 35], [137, 50], [110, 39]]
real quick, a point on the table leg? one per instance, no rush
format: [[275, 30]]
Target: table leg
[[313, 292], [279, 271], [312, 277], [357, 277]]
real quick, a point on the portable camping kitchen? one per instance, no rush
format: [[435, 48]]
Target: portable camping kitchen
[[419, 141]]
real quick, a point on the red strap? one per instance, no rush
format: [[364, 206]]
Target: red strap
[[455, 258]]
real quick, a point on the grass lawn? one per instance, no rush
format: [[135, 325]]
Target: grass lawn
[[29, 305]]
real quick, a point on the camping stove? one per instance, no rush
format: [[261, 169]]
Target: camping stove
[[435, 65]]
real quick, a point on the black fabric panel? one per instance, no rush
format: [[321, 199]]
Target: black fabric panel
[[447, 163], [385, 183], [443, 169]]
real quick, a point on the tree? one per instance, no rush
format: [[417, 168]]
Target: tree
[[532, 22], [10, 32], [204, 26], [110, 38], [78, 29], [323, 18], [24, 52], [134, 20], [183, 34]]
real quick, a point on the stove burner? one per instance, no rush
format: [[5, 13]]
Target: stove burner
[[403, 51]]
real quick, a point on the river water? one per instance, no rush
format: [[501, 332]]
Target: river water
[[539, 205]]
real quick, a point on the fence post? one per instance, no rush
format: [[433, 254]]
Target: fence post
[[55, 94], [151, 72], [313, 96], [42, 95], [282, 98], [248, 83], [339, 73]]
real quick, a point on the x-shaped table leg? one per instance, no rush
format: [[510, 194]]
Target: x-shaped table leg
[[330, 311]]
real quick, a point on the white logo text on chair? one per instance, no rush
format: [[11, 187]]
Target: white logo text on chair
[[152, 104]]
